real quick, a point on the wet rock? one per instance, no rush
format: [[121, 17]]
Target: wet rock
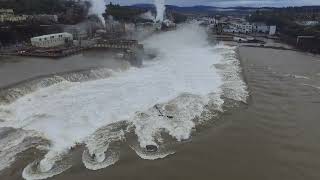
[[151, 148]]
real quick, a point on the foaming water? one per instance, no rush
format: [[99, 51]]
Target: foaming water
[[15, 141], [167, 95], [12, 93]]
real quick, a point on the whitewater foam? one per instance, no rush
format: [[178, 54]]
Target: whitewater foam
[[13, 142], [180, 82]]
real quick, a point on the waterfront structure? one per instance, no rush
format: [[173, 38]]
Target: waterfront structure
[[52, 40]]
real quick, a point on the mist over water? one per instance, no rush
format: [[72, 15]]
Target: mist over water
[[180, 82]]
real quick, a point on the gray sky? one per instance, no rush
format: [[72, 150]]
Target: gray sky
[[226, 3]]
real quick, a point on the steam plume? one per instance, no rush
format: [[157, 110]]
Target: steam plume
[[160, 7], [98, 7]]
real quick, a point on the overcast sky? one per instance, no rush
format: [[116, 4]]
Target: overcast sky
[[228, 3]]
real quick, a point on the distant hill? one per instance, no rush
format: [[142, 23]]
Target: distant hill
[[212, 10], [208, 10]]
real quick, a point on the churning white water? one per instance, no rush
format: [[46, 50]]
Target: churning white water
[[180, 81]]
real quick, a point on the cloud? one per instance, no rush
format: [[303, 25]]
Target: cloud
[[228, 3]]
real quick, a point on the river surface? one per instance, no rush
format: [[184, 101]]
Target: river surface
[[217, 130]]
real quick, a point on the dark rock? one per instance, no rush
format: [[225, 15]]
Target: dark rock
[[151, 148]]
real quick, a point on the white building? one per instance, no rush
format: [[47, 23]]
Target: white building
[[52, 40], [244, 28], [273, 30]]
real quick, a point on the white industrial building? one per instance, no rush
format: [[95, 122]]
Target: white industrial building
[[52, 40], [263, 28]]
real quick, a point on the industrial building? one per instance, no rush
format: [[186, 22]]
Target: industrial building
[[52, 40]]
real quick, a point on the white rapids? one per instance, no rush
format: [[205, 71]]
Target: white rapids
[[181, 81]]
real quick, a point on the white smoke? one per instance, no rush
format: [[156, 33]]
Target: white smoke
[[161, 8], [98, 7]]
